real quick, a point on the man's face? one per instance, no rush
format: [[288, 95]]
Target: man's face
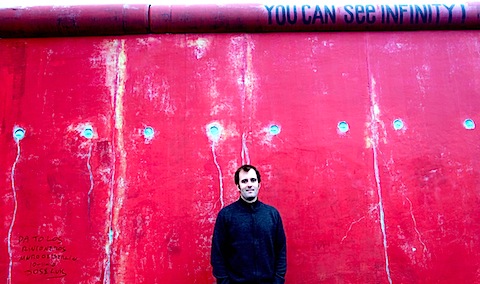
[[248, 184]]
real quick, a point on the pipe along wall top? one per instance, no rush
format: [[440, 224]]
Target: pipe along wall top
[[144, 19]]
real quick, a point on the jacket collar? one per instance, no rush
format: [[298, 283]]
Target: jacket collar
[[252, 206]]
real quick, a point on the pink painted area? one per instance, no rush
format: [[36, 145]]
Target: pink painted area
[[367, 206]]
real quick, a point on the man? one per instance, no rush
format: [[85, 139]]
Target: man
[[249, 244]]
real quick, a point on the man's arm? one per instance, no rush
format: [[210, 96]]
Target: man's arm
[[280, 253], [218, 249]]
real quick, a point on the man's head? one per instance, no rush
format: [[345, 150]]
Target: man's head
[[247, 179]]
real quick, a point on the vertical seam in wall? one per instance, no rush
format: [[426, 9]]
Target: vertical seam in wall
[[149, 18], [113, 92], [247, 95], [120, 146], [117, 89]]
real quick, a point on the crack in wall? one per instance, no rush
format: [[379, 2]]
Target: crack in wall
[[412, 215], [425, 250], [244, 48], [89, 167], [220, 176], [244, 154], [350, 228], [14, 216], [382, 213], [355, 222], [374, 140]]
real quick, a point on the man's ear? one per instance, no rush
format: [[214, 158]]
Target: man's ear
[[259, 185]]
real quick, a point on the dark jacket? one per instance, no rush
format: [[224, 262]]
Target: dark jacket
[[249, 244]]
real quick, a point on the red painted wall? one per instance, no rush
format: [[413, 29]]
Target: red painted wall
[[371, 205]]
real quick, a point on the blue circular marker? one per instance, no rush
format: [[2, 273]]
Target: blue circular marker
[[88, 132], [274, 129], [398, 124], [18, 133], [214, 131], [469, 124], [343, 126], [148, 132]]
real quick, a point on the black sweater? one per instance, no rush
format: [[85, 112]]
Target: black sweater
[[249, 244]]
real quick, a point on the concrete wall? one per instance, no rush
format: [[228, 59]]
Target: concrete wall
[[366, 143]]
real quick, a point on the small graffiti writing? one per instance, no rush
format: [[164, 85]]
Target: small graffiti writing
[[44, 255]]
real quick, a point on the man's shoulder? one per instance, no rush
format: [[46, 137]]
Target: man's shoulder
[[236, 205], [269, 208], [230, 207]]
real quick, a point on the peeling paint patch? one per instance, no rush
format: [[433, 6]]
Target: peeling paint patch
[[249, 78], [423, 75], [159, 95], [200, 45], [149, 40], [395, 45], [241, 57], [217, 109]]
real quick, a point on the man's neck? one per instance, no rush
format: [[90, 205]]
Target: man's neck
[[249, 201]]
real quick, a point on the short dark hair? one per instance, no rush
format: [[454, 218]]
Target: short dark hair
[[246, 168]]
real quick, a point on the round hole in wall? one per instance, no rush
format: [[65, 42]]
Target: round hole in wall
[[274, 129], [148, 132], [214, 131], [398, 124], [469, 124], [88, 132], [18, 133], [343, 127]]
